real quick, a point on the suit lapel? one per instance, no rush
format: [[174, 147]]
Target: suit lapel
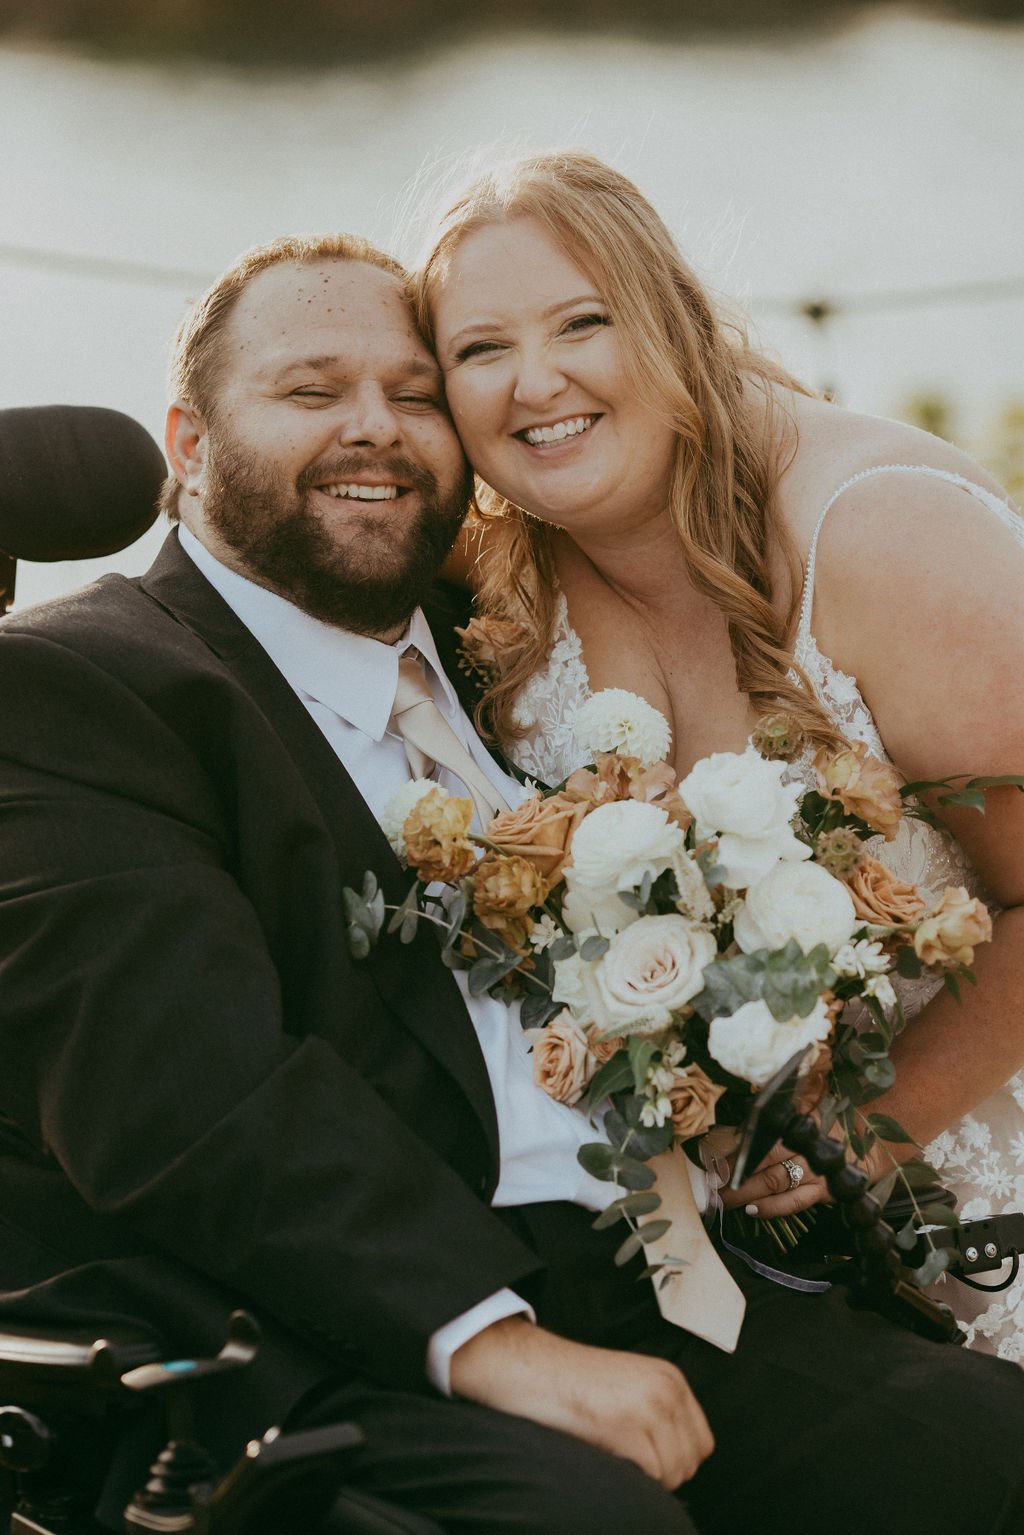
[[410, 978]]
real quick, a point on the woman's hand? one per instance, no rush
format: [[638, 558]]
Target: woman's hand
[[783, 1184]]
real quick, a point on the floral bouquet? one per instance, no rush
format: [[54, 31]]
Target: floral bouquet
[[674, 944]]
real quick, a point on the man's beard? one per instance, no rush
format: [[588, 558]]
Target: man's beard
[[370, 579]]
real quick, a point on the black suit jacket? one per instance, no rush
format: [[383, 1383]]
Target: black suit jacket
[[203, 1100]]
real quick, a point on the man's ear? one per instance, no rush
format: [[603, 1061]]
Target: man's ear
[[185, 445]]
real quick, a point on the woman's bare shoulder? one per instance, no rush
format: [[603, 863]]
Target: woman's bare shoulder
[[836, 445]]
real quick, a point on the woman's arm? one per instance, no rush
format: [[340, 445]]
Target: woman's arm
[[920, 596]]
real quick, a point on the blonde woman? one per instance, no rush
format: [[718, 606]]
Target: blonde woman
[[665, 510]]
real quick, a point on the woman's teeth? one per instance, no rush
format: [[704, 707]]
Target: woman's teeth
[[536, 435], [362, 492]]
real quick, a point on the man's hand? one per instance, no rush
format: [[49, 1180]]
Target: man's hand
[[628, 1404]]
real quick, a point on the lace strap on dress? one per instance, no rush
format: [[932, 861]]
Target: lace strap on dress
[[1004, 512]]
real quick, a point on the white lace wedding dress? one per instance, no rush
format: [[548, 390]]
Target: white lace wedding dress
[[981, 1158]]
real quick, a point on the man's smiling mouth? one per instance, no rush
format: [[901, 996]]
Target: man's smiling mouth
[[354, 491], [558, 431]]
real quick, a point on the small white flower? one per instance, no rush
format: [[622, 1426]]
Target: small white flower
[[655, 1112], [796, 900], [860, 960], [881, 988], [753, 1044], [544, 933], [397, 809], [616, 721]]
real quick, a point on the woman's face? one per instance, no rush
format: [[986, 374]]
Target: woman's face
[[538, 388]]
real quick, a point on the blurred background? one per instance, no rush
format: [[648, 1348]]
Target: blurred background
[[851, 174]]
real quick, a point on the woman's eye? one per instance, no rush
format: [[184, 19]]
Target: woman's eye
[[477, 349], [583, 322]]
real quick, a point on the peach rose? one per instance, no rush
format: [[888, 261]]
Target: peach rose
[[693, 1096], [436, 845], [539, 830], [563, 1062], [948, 936], [602, 1049], [878, 896], [864, 785]]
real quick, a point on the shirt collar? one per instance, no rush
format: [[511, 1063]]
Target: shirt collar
[[351, 674]]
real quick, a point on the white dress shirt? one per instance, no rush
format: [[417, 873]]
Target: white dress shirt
[[347, 682]]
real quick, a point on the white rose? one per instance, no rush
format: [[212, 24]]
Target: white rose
[[398, 806], [617, 844], [741, 799], [575, 986], [796, 900], [616, 721], [754, 1045], [651, 971], [595, 911]]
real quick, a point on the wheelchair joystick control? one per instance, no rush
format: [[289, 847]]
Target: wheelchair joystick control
[[180, 1472]]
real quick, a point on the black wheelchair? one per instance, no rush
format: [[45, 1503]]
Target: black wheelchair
[[77, 482]]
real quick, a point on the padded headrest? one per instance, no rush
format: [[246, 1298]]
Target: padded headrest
[[76, 481]]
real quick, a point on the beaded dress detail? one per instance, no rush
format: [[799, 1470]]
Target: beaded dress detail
[[981, 1158]]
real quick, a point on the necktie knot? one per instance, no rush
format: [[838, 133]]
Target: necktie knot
[[430, 742]]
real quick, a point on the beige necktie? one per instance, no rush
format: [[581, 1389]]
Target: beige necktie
[[703, 1298], [430, 741]]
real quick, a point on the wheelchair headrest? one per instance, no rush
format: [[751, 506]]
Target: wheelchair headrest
[[76, 481]]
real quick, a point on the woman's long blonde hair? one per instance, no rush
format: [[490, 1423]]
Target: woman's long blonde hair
[[691, 366]]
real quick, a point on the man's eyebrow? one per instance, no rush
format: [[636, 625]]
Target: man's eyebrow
[[413, 367], [546, 314]]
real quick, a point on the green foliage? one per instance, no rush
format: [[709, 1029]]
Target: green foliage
[[364, 916]]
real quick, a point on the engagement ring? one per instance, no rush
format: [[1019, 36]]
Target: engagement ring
[[794, 1172]]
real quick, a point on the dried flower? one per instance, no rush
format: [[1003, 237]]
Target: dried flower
[[839, 851], [436, 844], [879, 897], [948, 936], [504, 890], [864, 785], [486, 640], [618, 777], [779, 737]]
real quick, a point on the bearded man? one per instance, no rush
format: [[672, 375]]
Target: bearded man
[[205, 1102]]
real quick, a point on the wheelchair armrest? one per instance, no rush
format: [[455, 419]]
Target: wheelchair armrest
[[71, 1367]]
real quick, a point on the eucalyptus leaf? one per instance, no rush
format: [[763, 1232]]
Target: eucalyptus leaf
[[731, 983], [936, 1263], [907, 963], [880, 1074], [888, 1129], [635, 1175], [562, 947], [918, 1174], [939, 1215], [594, 947], [537, 1008], [598, 1160], [641, 1053], [358, 942], [629, 1249], [410, 922], [652, 1230], [883, 1189], [906, 1237], [951, 984], [969, 797], [487, 971], [610, 1078]]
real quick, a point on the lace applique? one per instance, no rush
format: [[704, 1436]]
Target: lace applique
[[548, 706]]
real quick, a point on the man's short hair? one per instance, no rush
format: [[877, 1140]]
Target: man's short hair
[[197, 358]]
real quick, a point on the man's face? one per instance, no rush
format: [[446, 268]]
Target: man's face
[[332, 473]]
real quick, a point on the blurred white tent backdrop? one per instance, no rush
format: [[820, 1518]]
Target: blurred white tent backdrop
[[879, 169]]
